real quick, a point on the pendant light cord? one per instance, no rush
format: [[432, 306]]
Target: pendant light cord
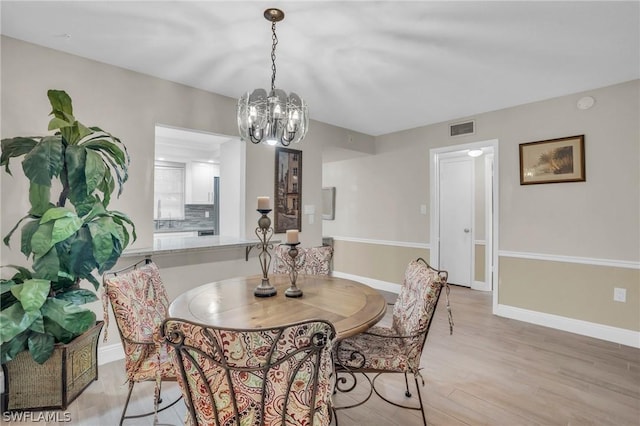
[[274, 39]]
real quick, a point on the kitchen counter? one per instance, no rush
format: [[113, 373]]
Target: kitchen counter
[[168, 244]]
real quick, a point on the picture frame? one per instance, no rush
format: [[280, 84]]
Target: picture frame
[[328, 203], [552, 161], [288, 190]]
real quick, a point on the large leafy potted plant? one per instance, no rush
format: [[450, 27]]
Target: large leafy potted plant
[[67, 238]]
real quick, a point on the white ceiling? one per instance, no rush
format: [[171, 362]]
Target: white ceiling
[[373, 67]]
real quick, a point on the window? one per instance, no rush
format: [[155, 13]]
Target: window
[[295, 171], [168, 194]]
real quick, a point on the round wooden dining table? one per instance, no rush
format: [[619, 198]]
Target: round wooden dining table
[[350, 306]]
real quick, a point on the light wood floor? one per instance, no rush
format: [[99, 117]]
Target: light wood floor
[[492, 371]]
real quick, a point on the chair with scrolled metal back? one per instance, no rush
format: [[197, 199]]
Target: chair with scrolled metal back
[[309, 261], [271, 376], [398, 348], [139, 302]]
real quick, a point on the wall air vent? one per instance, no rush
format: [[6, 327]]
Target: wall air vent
[[459, 129]]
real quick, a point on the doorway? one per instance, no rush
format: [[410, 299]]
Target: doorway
[[464, 214]]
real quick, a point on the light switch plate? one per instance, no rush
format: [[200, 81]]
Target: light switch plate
[[620, 294], [309, 209]]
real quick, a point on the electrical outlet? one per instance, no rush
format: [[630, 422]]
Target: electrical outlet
[[206, 214], [620, 294]]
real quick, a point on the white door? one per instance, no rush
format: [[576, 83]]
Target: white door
[[456, 218]]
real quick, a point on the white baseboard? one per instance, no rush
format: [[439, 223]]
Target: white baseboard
[[110, 353], [585, 328], [377, 284]]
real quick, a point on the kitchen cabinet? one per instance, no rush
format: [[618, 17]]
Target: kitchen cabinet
[[202, 175]]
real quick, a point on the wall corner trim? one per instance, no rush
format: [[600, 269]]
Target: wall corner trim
[[585, 328]]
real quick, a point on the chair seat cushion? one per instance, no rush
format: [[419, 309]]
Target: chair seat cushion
[[371, 352]]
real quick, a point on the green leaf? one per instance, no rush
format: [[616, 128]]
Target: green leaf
[[56, 213], [44, 161], [15, 320], [59, 333], [65, 227], [94, 281], [41, 239], [78, 297], [101, 231], [39, 196], [32, 293], [81, 260], [27, 232], [106, 187], [22, 275], [37, 325], [60, 102], [58, 123], [96, 211], [7, 237], [10, 349], [15, 147], [69, 316], [40, 346], [47, 266], [94, 170], [76, 160]]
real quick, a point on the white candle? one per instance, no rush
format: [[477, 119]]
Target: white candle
[[264, 203], [292, 236]]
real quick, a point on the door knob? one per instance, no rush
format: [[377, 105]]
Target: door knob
[[467, 230]]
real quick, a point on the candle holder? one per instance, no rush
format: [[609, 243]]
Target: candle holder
[[293, 291], [264, 231]]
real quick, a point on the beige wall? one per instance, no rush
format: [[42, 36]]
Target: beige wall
[[378, 197], [129, 105], [583, 292], [379, 261]]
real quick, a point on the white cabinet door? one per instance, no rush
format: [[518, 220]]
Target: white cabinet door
[[202, 183]]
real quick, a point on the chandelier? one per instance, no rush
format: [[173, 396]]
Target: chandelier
[[273, 118]]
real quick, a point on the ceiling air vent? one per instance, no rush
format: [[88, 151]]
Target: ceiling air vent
[[459, 129]]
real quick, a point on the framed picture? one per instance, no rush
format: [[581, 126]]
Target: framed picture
[[328, 203], [552, 161], [288, 190]]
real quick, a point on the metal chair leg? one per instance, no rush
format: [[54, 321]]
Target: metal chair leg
[[126, 404], [406, 382], [424, 418]]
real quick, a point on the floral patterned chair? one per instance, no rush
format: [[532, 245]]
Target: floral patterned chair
[[397, 349], [310, 261], [267, 377], [140, 304]]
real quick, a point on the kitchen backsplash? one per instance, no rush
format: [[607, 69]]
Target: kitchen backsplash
[[195, 219]]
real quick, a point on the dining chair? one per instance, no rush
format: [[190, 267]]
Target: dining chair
[[266, 377], [139, 302], [310, 260], [398, 348]]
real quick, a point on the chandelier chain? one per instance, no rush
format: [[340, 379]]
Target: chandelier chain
[[274, 39]]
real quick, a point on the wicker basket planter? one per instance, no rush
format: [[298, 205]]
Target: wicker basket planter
[[30, 386]]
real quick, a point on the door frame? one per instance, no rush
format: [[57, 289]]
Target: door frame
[[492, 210]]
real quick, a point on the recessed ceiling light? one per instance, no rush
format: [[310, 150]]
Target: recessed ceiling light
[[474, 153]]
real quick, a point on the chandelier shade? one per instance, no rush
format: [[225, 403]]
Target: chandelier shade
[[273, 118]]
